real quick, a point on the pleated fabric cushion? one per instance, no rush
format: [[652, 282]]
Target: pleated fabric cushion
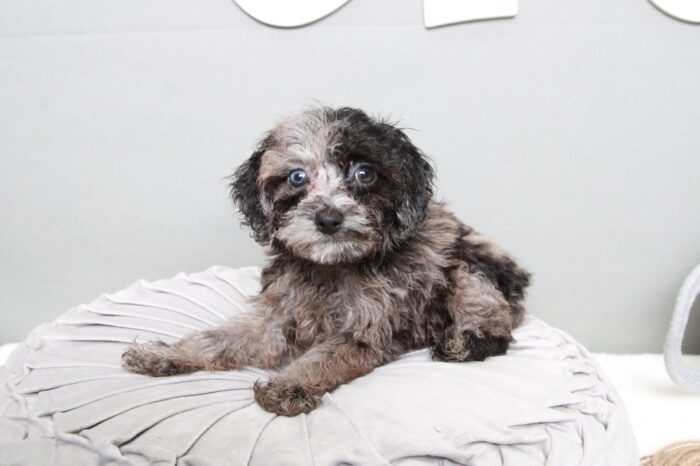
[[64, 399]]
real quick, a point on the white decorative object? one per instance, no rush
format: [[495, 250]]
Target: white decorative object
[[289, 13], [683, 375], [685, 10], [444, 12]]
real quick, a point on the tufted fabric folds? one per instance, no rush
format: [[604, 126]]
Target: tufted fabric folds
[[64, 399]]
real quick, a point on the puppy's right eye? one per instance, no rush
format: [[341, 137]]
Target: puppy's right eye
[[297, 177]]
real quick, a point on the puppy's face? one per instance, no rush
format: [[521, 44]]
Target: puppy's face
[[333, 186]]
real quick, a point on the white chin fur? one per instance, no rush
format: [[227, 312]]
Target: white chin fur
[[354, 242], [327, 250], [336, 252]]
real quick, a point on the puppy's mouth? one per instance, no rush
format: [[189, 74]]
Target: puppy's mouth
[[303, 239], [339, 252], [337, 248]]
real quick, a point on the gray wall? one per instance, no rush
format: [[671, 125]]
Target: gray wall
[[569, 135]]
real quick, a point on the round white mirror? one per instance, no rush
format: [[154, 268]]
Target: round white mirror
[[685, 10], [289, 13]]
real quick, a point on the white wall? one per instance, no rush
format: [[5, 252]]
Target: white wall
[[569, 134]]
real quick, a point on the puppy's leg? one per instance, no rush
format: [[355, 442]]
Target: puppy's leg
[[321, 369], [481, 319], [246, 339], [485, 257]]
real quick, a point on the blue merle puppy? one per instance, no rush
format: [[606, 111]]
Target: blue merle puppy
[[364, 266]]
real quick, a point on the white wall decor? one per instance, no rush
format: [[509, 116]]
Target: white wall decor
[[444, 12], [685, 10], [295, 13], [289, 13]]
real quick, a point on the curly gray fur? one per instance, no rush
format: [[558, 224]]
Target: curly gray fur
[[397, 272]]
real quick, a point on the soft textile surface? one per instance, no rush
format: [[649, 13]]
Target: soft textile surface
[[65, 400], [660, 412], [5, 351]]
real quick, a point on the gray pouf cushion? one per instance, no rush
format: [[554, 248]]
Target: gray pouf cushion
[[64, 399]]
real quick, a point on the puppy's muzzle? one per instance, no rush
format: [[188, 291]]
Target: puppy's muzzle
[[328, 220]]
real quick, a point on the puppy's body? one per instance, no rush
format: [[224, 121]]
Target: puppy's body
[[364, 267]]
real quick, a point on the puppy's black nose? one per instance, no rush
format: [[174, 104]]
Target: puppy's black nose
[[328, 220]]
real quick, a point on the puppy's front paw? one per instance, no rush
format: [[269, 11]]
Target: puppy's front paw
[[468, 346], [151, 359], [285, 397]]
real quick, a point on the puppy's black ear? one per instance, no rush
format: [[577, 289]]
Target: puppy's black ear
[[246, 194], [417, 187]]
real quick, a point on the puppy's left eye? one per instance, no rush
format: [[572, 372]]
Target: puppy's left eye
[[365, 175]]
